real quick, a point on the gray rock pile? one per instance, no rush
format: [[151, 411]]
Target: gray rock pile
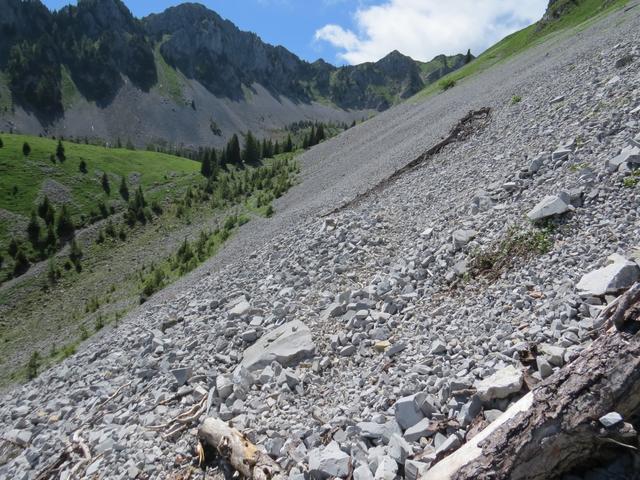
[[366, 345]]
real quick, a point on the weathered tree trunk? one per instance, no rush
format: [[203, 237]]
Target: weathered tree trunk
[[555, 428], [237, 451]]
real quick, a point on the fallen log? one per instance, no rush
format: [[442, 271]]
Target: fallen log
[[233, 448], [555, 429]]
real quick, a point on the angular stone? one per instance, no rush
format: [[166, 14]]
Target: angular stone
[[287, 345], [224, 386], [387, 469], [182, 375], [463, 237], [501, 384], [611, 419], [414, 470], [242, 308], [611, 279], [407, 410], [421, 429], [554, 353], [548, 207], [329, 461], [630, 154], [469, 411], [362, 473]]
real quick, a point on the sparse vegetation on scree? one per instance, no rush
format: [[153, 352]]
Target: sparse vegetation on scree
[[88, 232]]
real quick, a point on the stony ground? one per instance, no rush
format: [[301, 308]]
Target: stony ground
[[367, 342]]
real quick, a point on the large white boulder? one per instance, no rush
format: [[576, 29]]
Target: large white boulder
[[501, 384], [548, 207], [288, 344], [620, 275]]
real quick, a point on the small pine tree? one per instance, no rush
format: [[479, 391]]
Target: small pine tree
[[468, 57], [21, 264], [60, 152], [33, 366], [251, 152], [276, 148], [105, 184], [118, 143], [75, 255], [130, 145], [64, 225], [33, 230], [51, 239], [205, 167], [124, 189], [26, 149], [1, 143], [46, 211], [233, 151], [83, 166], [288, 146], [320, 135], [52, 271]]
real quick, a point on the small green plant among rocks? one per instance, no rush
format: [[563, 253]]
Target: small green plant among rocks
[[632, 181], [447, 84], [516, 99], [518, 243]]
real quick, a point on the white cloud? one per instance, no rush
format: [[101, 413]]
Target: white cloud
[[423, 29]]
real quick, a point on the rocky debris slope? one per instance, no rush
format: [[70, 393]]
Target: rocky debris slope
[[370, 343]]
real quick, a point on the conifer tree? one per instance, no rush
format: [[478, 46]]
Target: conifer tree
[[60, 152], [233, 151], [83, 166], [26, 149], [468, 57], [276, 148], [1, 143], [33, 230], [105, 184], [124, 189], [46, 211], [288, 146], [205, 167], [64, 225], [251, 152]]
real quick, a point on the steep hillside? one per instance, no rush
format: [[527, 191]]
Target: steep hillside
[[182, 76], [560, 16], [374, 341], [88, 232]]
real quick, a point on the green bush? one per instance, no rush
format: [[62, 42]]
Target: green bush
[[516, 99], [447, 84], [33, 366]]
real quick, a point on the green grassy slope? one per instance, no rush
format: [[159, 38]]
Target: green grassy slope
[[56, 303], [23, 178], [517, 42]]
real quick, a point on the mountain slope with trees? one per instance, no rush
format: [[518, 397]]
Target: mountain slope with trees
[[93, 69]]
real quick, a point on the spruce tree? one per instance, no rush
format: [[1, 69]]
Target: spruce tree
[[124, 189], [215, 166], [33, 230], [60, 152], [51, 239], [26, 149], [75, 255], [205, 167], [33, 366], [276, 148], [312, 136], [64, 225], [83, 166], [233, 151], [288, 146], [105, 184], [468, 57], [1, 143], [46, 211], [320, 135], [251, 152]]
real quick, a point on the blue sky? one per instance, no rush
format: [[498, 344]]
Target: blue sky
[[354, 31]]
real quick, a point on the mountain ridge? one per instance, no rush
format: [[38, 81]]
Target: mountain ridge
[[97, 51]]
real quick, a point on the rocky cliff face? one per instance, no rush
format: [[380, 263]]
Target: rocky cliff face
[[87, 53]]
